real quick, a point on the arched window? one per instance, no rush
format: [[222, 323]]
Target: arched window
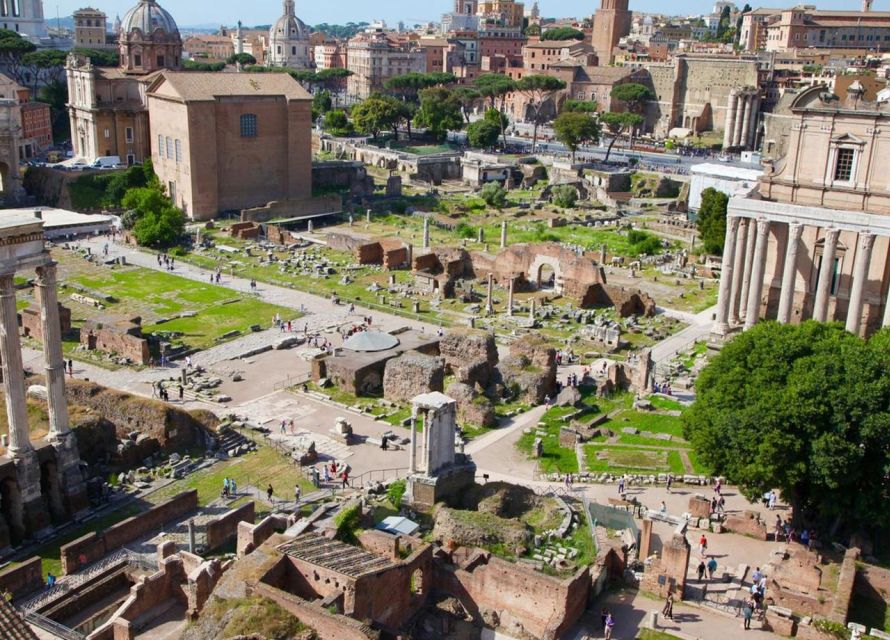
[[248, 125]]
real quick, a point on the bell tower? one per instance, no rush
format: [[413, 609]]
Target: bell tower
[[611, 23]]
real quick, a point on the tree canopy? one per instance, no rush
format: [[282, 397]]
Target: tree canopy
[[440, 112], [409, 85], [538, 91], [574, 129], [337, 123], [484, 133], [632, 94], [375, 114], [617, 123], [805, 409], [563, 33], [241, 58], [711, 220]]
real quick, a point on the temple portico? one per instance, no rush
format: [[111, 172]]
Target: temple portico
[[52, 490], [792, 262]]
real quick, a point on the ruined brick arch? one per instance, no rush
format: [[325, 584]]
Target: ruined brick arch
[[537, 266]]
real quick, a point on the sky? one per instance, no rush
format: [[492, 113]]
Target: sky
[[214, 12]]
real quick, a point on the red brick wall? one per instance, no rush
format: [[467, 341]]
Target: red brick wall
[[94, 546], [23, 579], [327, 625], [225, 528]]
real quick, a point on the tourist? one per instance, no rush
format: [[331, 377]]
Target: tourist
[[703, 544], [779, 529], [712, 567], [181, 392], [670, 482], [345, 477], [70, 368], [747, 613], [805, 538], [283, 425], [700, 569], [664, 508], [297, 495], [188, 363], [714, 504], [291, 426], [326, 476], [610, 624], [771, 500], [50, 580], [721, 505], [269, 492], [757, 575], [717, 487], [812, 542], [315, 482], [668, 610], [604, 614], [226, 487], [233, 487]]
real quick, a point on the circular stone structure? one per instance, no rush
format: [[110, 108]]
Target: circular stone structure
[[371, 341]]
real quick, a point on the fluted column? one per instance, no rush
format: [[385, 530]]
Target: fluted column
[[757, 267], [13, 371], [752, 130], [826, 275], [749, 260], [737, 270], [789, 270], [721, 326], [54, 364], [739, 117], [860, 277]]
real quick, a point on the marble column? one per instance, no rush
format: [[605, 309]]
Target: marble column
[[13, 371], [749, 259], [746, 120], [757, 267], [789, 271], [412, 458], [504, 234], [721, 326], [54, 363], [531, 309], [729, 124], [886, 320], [826, 275], [860, 279], [510, 298], [426, 232], [737, 270], [740, 115], [489, 306], [752, 130]]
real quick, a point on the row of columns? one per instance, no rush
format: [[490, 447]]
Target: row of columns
[[744, 262], [741, 119]]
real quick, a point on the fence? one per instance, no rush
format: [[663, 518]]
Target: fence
[[612, 518], [377, 475], [56, 629]]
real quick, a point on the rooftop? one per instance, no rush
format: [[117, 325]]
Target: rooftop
[[334, 555], [53, 218], [191, 86], [726, 171]]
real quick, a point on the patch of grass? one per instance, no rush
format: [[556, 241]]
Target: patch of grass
[[666, 404], [631, 460], [646, 421], [255, 616], [650, 634], [698, 466]]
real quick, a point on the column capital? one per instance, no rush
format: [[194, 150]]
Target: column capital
[[866, 240], [7, 283], [763, 225]]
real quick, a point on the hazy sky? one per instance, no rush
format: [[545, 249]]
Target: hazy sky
[[188, 12]]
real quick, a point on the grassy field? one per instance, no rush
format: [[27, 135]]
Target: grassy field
[[632, 460], [650, 634], [157, 296]]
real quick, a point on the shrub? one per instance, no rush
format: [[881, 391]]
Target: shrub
[[395, 491], [494, 195], [643, 242], [347, 523], [465, 230], [565, 196]]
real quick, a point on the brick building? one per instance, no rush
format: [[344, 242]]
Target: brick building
[[36, 117], [230, 141], [538, 56], [209, 46], [805, 27], [610, 23]]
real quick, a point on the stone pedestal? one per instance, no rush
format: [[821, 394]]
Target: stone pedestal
[[425, 491]]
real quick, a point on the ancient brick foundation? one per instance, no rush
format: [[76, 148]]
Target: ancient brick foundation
[[224, 529], [30, 319], [123, 338]]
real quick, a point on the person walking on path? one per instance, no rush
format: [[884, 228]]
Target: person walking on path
[[668, 610], [747, 613], [269, 492], [701, 571], [610, 624], [297, 495], [181, 393], [712, 567], [703, 544]]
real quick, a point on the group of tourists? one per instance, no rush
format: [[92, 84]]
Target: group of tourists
[[663, 387], [328, 474], [230, 487], [166, 262]]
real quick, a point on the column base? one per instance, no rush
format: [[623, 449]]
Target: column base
[[37, 519], [71, 482], [34, 515]]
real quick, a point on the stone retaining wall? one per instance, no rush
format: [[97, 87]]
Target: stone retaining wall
[[224, 529], [24, 579]]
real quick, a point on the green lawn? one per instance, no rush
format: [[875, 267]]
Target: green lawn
[[218, 310], [649, 634], [618, 459]]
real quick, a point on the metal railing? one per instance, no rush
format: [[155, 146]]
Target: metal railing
[[58, 630], [358, 482]]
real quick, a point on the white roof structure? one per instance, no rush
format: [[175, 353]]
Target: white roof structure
[[61, 222], [725, 171], [371, 341]]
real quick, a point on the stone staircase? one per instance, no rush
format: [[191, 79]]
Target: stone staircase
[[232, 443]]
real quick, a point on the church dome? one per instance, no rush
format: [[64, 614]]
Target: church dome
[[288, 28], [148, 16]]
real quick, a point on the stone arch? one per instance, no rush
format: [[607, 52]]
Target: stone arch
[[536, 270]]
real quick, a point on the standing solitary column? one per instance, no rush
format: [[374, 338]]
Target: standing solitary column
[[13, 374], [504, 234], [489, 306], [412, 458], [426, 232], [737, 270], [510, 299], [721, 326], [752, 130], [860, 277], [757, 267], [729, 124], [886, 321], [826, 275], [54, 364], [749, 260], [789, 271]]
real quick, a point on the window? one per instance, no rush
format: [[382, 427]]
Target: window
[[107, 133], [169, 150], [178, 151], [248, 125], [171, 189], [160, 146], [160, 61], [128, 134], [843, 165]]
